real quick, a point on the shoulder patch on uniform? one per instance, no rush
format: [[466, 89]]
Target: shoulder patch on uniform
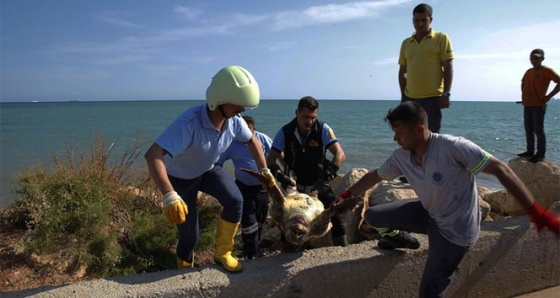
[[331, 134]]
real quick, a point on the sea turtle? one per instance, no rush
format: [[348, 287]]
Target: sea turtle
[[299, 216]]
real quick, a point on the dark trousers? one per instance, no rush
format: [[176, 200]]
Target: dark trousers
[[255, 209], [533, 118], [430, 104], [218, 183], [443, 256]]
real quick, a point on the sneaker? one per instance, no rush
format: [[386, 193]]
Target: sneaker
[[536, 159], [401, 240], [403, 179], [525, 154]]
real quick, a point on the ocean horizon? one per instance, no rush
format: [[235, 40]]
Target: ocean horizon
[[32, 132]]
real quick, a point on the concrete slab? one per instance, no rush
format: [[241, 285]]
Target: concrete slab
[[510, 259]]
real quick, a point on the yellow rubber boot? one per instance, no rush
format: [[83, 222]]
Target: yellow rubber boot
[[184, 264], [224, 246]]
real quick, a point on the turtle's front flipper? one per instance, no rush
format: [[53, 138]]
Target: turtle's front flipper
[[320, 225], [274, 191], [344, 205]]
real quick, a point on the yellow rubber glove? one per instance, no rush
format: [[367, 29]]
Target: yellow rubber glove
[[268, 177], [174, 208]]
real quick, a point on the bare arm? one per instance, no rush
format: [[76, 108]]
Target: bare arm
[[273, 155], [510, 181], [257, 152], [447, 75], [157, 169], [402, 78], [338, 154], [368, 181], [554, 91]]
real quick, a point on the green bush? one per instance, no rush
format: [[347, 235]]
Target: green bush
[[101, 212]]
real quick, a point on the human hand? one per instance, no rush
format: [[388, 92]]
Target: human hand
[[284, 179], [543, 218], [269, 180], [174, 208], [343, 196], [329, 170], [443, 102]]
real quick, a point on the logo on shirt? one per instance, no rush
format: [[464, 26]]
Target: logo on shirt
[[331, 134], [313, 143], [437, 178]]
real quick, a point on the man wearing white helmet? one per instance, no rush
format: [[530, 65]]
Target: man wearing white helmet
[[181, 162]]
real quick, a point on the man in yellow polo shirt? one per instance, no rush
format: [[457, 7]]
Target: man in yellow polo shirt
[[426, 69]]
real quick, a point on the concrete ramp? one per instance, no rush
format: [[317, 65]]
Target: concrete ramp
[[509, 259]]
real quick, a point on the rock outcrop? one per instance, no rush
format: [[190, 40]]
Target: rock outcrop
[[542, 179]]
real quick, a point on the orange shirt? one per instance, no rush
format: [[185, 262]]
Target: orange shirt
[[534, 85]]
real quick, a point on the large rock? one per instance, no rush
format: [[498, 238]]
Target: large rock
[[390, 191], [542, 179]]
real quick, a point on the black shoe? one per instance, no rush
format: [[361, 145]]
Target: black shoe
[[401, 240], [403, 179], [525, 154], [536, 159]]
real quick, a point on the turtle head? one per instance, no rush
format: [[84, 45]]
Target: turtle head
[[296, 229]]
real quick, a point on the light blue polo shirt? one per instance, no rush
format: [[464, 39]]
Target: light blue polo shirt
[[445, 183], [327, 137], [239, 153], [194, 144]]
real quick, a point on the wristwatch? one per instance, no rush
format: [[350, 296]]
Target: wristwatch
[[446, 94]]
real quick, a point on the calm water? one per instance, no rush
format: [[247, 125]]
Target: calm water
[[30, 133]]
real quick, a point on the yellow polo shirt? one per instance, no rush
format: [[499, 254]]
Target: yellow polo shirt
[[423, 61]]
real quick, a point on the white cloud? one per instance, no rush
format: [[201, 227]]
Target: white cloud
[[189, 13], [332, 13], [278, 46], [514, 42], [115, 18]]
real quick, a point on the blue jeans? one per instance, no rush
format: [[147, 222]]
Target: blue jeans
[[533, 119], [443, 256], [430, 105], [217, 183]]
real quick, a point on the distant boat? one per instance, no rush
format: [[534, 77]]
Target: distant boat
[[34, 101]]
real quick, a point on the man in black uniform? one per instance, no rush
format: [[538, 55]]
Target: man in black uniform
[[303, 143]]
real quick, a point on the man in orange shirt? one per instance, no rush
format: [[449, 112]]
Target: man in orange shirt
[[534, 86]]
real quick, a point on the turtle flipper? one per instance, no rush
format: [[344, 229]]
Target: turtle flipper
[[344, 205], [274, 191], [320, 225]]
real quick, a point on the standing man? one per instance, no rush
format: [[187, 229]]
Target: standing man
[[426, 68], [441, 170], [534, 85], [181, 162], [255, 197]]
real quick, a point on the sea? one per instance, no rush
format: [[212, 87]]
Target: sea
[[32, 133]]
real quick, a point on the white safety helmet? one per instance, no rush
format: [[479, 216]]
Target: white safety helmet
[[233, 84]]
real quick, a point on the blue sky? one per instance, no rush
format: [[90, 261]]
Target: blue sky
[[61, 50]]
